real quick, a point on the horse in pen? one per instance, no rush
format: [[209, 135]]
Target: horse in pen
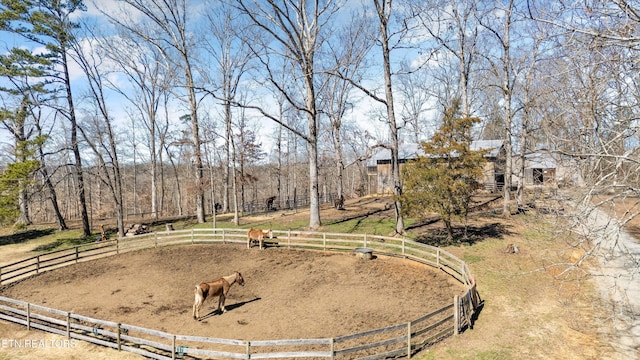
[[218, 288], [258, 235]]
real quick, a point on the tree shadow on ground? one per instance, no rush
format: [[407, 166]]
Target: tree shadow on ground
[[438, 237], [24, 236]]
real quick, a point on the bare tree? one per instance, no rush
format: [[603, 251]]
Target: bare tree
[[227, 44], [452, 25], [591, 120], [338, 97], [386, 38], [500, 26], [101, 136], [150, 77], [413, 86], [294, 30], [171, 37]]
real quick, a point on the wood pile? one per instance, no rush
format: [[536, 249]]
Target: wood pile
[[137, 229]]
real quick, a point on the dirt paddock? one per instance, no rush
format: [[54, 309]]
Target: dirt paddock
[[289, 294]]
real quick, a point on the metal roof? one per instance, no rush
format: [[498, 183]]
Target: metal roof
[[412, 150]]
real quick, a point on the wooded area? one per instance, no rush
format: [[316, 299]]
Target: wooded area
[[149, 108]]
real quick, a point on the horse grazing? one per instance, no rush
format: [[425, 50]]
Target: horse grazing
[[218, 288], [256, 234]]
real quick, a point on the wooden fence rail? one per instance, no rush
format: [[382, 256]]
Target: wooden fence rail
[[392, 341]]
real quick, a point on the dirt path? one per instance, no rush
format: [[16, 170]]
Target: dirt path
[[618, 278]]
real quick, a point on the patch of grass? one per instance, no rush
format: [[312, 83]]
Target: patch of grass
[[472, 259], [373, 226], [479, 355], [482, 355], [24, 236], [64, 240]]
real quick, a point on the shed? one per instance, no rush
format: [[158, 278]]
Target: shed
[[539, 169]]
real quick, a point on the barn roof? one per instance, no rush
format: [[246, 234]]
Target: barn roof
[[540, 160], [493, 146], [412, 150]]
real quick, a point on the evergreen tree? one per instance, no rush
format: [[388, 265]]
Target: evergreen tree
[[443, 180], [14, 181], [49, 23]]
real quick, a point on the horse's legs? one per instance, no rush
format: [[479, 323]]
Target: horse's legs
[[221, 303], [196, 307]]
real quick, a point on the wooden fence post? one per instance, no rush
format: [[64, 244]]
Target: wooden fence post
[[456, 315], [404, 245], [288, 239], [365, 240], [248, 350], [155, 240], [192, 241], [28, 316], [118, 333], [409, 340], [333, 350], [68, 325], [438, 257], [38, 264], [0, 275], [77, 255], [324, 241], [173, 348], [118, 246]]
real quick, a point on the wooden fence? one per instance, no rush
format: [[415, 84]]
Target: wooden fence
[[392, 341]]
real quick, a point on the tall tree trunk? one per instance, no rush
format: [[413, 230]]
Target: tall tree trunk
[[234, 184], [197, 151], [312, 147], [62, 225], [23, 203], [86, 227], [507, 89], [383, 14]]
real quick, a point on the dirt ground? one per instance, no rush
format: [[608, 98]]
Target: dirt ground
[[287, 293], [536, 303]]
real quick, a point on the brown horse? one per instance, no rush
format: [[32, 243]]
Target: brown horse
[[256, 234], [219, 288]]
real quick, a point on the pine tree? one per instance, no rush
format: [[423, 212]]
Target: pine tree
[[49, 24], [13, 181], [443, 180]]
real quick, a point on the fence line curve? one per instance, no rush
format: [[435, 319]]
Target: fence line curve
[[391, 341]]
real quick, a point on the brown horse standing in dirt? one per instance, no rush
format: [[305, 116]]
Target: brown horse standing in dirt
[[259, 235], [219, 288]]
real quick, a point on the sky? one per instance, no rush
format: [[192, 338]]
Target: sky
[[119, 109]]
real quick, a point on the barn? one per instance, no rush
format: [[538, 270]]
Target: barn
[[544, 168], [379, 169]]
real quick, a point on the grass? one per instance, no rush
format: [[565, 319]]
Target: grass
[[481, 355], [25, 236], [526, 315], [63, 243]]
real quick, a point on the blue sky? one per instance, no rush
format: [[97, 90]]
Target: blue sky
[[361, 113]]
